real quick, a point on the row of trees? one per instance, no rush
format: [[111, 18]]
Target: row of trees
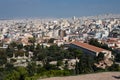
[[33, 71], [46, 55], [41, 53], [95, 42]]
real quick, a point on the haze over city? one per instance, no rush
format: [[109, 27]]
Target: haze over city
[[56, 8]]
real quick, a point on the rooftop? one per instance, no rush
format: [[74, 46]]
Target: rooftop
[[89, 47]]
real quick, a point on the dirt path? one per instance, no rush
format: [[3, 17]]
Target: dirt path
[[97, 76]]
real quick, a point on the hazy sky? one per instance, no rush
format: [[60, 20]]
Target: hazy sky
[[56, 8]]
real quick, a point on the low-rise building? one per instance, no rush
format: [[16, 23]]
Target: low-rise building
[[90, 49]]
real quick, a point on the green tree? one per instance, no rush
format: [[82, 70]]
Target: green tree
[[117, 57], [3, 57], [77, 71], [13, 44], [94, 42], [19, 53], [20, 46], [32, 47], [31, 68], [9, 67], [66, 65], [13, 75], [59, 63], [27, 48], [100, 56], [38, 47], [78, 53], [85, 64], [51, 40], [3, 60], [114, 67], [23, 72], [9, 51]]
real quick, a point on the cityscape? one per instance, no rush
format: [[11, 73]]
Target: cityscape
[[60, 47]]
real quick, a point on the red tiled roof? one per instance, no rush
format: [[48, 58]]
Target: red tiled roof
[[89, 47]]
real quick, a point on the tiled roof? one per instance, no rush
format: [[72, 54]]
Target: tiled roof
[[89, 47]]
